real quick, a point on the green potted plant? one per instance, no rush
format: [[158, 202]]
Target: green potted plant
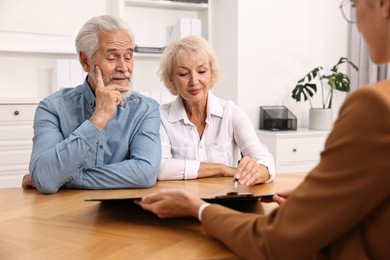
[[307, 87]]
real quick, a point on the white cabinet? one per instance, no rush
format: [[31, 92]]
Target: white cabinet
[[16, 134], [294, 151]]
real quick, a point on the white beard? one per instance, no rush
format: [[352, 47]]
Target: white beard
[[129, 92]]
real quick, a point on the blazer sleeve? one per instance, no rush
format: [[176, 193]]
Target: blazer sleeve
[[343, 191]]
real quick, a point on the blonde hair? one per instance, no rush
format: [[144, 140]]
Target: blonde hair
[[187, 50]]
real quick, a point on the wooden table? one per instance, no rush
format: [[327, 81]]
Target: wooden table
[[65, 226]]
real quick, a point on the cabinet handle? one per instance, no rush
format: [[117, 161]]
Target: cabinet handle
[[294, 150], [16, 112]]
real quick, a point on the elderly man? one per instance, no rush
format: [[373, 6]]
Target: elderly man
[[98, 135]]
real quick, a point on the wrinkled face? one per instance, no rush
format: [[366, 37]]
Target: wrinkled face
[[372, 23], [192, 81], [114, 57]]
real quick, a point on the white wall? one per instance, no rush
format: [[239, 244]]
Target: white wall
[[43, 25], [264, 46], [225, 42], [279, 41], [34, 35], [41, 37]]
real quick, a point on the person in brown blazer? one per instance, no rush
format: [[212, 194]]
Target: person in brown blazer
[[342, 208]]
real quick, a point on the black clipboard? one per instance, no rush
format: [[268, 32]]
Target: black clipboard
[[234, 196], [228, 197], [114, 199]]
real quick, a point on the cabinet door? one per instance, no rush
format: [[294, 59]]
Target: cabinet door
[[299, 149], [294, 151], [16, 113], [16, 133], [14, 161]]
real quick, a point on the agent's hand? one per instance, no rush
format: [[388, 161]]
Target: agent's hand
[[27, 182], [107, 99], [281, 197], [249, 172], [171, 203]]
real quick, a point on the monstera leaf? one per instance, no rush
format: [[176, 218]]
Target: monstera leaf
[[307, 86], [306, 90]]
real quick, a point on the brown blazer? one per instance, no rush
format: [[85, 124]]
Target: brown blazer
[[341, 210]]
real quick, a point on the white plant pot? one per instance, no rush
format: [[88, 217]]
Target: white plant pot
[[320, 118]]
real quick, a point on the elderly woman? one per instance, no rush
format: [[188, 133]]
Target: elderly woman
[[201, 134]]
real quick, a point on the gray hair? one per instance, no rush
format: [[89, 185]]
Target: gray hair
[[87, 39], [187, 50]]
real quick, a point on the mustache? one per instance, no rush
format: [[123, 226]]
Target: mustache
[[120, 75]]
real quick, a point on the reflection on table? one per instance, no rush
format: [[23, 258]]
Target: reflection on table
[[64, 225]]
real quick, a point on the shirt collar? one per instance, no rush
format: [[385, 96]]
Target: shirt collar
[[177, 111], [87, 91], [214, 105]]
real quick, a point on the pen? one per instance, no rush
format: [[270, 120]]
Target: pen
[[236, 179], [235, 183]]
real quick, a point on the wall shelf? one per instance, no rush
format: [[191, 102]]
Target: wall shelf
[[167, 4], [60, 54], [147, 55], [42, 53]]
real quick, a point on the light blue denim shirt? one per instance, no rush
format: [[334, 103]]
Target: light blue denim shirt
[[70, 152]]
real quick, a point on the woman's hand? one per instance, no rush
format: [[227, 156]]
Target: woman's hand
[[215, 169], [229, 171], [249, 172]]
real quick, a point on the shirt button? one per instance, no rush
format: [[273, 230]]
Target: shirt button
[[101, 146]]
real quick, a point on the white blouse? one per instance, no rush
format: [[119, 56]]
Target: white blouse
[[228, 132]]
